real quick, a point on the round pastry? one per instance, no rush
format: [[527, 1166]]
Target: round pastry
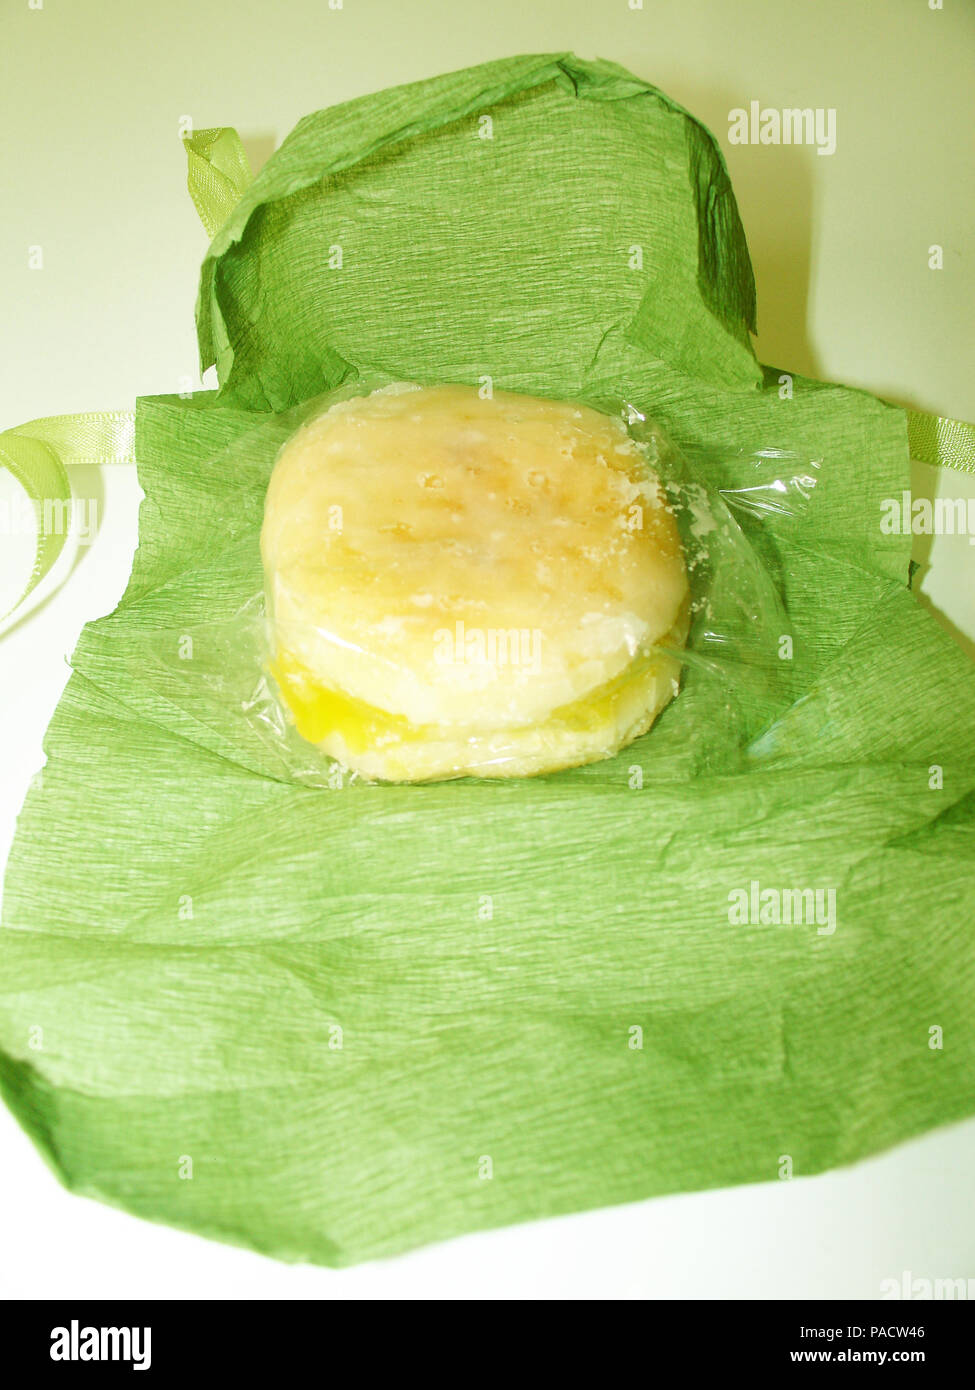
[[461, 585]]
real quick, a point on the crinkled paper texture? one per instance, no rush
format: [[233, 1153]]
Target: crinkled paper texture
[[188, 928]]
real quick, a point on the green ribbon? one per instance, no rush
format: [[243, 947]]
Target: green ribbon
[[941, 441], [217, 175], [39, 455]]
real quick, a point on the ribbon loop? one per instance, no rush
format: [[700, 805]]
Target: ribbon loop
[[39, 454], [941, 441], [218, 173]]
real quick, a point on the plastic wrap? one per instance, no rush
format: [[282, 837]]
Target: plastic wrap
[[346, 675]]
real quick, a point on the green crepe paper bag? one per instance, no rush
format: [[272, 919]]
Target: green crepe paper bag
[[334, 1023]]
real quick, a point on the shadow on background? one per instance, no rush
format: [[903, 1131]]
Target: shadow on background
[[258, 149], [773, 186]]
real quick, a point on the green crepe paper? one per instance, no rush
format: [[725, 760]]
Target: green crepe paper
[[459, 251], [187, 928]]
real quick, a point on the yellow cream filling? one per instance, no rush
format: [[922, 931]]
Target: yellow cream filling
[[319, 712]]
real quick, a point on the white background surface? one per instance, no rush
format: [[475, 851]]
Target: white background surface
[[93, 171]]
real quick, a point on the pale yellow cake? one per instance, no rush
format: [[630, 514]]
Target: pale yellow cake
[[459, 585]]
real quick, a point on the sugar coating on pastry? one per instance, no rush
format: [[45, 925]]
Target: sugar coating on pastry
[[465, 585]]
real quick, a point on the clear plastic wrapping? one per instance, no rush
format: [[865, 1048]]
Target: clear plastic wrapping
[[497, 585]]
